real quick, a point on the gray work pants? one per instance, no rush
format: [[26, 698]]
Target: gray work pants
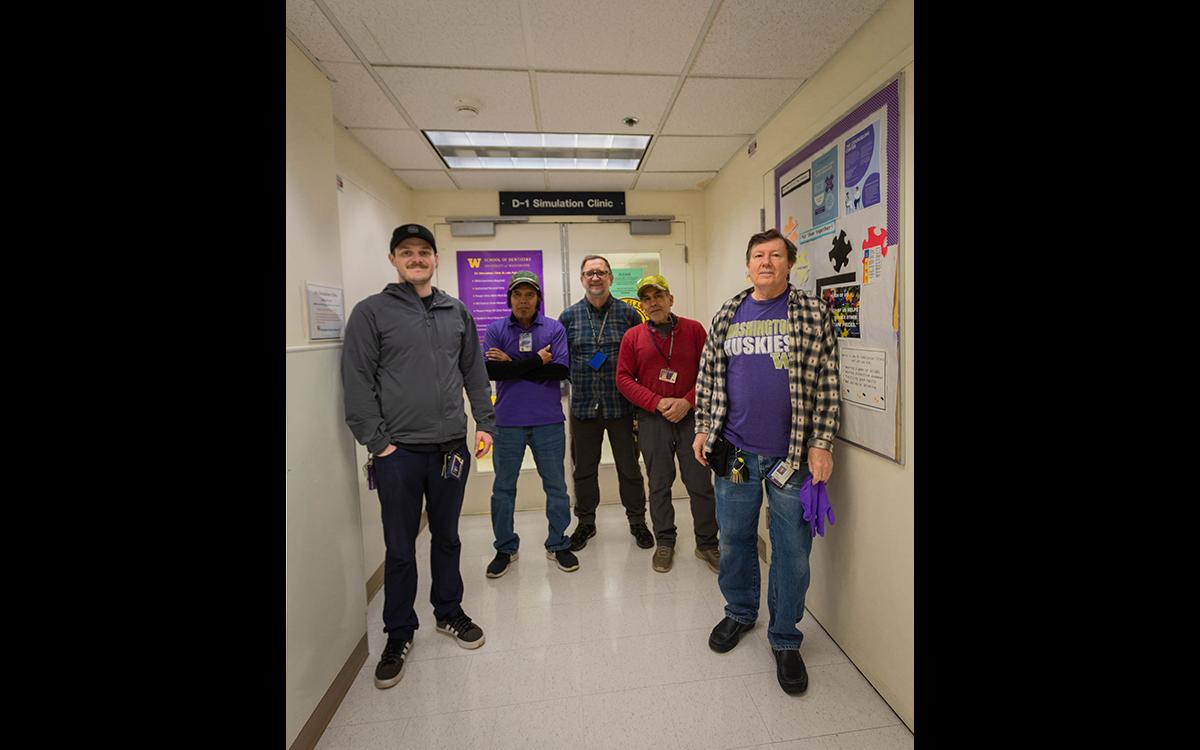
[[662, 442], [586, 436]]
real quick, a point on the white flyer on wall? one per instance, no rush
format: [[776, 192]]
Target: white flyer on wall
[[326, 311], [862, 375]]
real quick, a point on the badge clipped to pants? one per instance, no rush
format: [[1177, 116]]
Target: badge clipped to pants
[[597, 360], [452, 466], [780, 475]]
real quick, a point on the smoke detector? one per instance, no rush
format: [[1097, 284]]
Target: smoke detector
[[468, 108], [631, 121]]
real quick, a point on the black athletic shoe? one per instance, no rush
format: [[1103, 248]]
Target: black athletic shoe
[[500, 563], [726, 635], [462, 630], [565, 558], [583, 532], [391, 664], [644, 538], [789, 668]]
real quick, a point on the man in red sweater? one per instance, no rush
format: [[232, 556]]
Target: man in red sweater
[[656, 372]]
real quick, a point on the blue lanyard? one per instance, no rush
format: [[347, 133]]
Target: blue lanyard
[[654, 338]]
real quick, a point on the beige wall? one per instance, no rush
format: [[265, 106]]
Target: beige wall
[[862, 570], [325, 599]]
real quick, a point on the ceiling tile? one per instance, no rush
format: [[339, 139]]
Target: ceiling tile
[[673, 180], [579, 103], [430, 96], [399, 149], [590, 180], [719, 106], [631, 36], [677, 153], [308, 24], [813, 30], [497, 180], [425, 180], [463, 33], [358, 102]]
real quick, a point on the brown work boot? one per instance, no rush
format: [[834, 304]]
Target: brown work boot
[[712, 557], [663, 556]]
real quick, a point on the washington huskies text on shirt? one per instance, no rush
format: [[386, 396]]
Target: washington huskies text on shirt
[[751, 337]]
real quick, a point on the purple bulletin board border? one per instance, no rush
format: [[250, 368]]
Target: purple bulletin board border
[[888, 96]]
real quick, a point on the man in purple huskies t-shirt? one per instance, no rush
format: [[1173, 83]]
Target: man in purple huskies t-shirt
[[767, 413], [526, 355]]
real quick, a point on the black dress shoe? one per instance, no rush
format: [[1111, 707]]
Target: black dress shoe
[[789, 668], [726, 635]]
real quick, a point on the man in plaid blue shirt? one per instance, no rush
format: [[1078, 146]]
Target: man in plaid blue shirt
[[766, 415], [595, 326]]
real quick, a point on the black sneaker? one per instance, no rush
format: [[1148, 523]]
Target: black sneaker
[[462, 630], [644, 538], [583, 532], [499, 564], [565, 558], [391, 664]]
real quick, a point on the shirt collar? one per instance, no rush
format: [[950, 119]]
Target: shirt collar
[[537, 320]]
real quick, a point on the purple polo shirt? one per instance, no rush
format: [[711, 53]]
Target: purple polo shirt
[[524, 403]]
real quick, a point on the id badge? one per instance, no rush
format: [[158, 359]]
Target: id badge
[[780, 475], [597, 360], [667, 376], [526, 342], [456, 466]]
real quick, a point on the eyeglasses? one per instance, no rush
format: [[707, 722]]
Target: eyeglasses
[[595, 274]]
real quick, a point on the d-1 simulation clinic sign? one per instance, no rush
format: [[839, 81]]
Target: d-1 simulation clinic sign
[[545, 203]]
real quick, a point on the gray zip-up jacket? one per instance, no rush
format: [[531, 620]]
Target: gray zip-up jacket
[[404, 370]]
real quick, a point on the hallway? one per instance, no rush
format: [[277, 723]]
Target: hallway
[[613, 655]]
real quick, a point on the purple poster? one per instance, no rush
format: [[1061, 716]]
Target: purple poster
[[483, 282]]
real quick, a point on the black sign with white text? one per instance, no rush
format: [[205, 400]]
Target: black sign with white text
[[561, 204]]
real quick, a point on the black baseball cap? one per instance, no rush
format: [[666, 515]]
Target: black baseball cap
[[404, 231]]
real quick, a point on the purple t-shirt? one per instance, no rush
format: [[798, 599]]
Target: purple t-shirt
[[521, 402], [760, 405]]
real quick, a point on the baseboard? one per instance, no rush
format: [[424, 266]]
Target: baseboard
[[374, 583], [323, 713]]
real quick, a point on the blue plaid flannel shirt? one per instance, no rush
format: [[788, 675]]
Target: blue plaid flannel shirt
[[588, 386]]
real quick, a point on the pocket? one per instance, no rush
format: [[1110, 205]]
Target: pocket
[[390, 455]]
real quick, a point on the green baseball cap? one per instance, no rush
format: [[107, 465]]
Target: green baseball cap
[[524, 277]]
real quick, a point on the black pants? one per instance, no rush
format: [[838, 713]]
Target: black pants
[[662, 442], [586, 437], [405, 478]]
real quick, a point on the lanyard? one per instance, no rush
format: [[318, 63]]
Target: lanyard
[[597, 336], [654, 338]]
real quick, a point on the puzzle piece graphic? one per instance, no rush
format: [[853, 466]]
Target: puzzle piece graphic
[[840, 254], [876, 237]]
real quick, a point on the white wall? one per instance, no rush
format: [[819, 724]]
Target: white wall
[[862, 570], [325, 596]]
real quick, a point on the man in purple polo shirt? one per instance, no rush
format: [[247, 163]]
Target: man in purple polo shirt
[[526, 355]]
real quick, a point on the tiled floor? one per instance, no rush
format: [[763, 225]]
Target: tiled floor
[[613, 655]]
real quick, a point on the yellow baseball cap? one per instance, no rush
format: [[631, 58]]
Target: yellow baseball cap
[[656, 281]]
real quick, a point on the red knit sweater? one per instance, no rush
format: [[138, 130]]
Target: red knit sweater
[[640, 361]]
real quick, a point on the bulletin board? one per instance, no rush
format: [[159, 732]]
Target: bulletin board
[[837, 198]]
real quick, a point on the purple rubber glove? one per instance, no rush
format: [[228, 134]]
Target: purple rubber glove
[[815, 502]]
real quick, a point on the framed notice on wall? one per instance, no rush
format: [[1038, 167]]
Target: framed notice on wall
[[837, 198]]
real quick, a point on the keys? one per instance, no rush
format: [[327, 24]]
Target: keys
[[739, 472], [369, 470]]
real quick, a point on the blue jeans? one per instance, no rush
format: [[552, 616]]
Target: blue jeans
[[791, 542], [548, 443]]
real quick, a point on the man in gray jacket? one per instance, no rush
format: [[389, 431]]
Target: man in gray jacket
[[409, 352]]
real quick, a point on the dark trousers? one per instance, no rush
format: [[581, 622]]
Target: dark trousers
[[405, 478], [586, 437], [662, 442]]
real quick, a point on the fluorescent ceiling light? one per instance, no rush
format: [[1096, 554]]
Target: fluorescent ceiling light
[[538, 151]]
